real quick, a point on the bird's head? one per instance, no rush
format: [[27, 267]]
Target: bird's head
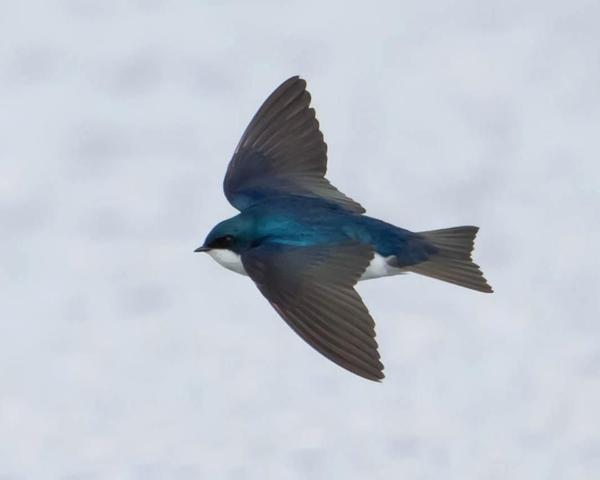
[[234, 234]]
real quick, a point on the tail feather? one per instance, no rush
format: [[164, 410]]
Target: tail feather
[[453, 263]]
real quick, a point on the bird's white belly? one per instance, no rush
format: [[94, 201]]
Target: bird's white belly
[[379, 267], [228, 259]]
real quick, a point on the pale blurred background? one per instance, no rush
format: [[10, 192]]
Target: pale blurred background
[[123, 355]]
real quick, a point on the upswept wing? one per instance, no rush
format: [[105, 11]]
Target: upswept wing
[[282, 152], [312, 290]]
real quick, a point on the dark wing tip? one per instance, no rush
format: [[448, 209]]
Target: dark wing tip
[[295, 80], [373, 377]]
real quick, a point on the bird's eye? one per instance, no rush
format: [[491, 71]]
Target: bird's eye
[[222, 242]]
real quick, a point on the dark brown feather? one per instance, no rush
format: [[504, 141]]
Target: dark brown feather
[[282, 151], [312, 290]]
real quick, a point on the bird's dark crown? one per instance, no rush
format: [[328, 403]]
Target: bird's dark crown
[[232, 234]]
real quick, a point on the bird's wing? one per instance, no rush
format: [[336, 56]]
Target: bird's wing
[[312, 289], [282, 152]]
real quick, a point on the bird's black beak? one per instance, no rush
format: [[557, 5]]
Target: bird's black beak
[[202, 249]]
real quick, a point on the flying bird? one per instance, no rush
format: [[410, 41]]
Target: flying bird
[[305, 244]]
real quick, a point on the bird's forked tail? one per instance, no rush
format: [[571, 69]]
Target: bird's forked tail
[[452, 263]]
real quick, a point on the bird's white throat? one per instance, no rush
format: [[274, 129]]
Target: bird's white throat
[[379, 266], [228, 259]]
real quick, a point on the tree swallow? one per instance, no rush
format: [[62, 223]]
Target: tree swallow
[[305, 244]]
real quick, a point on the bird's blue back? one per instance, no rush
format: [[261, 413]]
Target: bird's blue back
[[303, 221]]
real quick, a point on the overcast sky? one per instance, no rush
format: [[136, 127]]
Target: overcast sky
[[123, 355]]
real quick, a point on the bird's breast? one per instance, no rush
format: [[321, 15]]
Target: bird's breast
[[228, 259]]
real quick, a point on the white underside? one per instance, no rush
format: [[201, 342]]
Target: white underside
[[378, 267], [228, 259]]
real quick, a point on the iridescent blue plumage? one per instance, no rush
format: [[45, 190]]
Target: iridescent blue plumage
[[306, 244], [299, 221]]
